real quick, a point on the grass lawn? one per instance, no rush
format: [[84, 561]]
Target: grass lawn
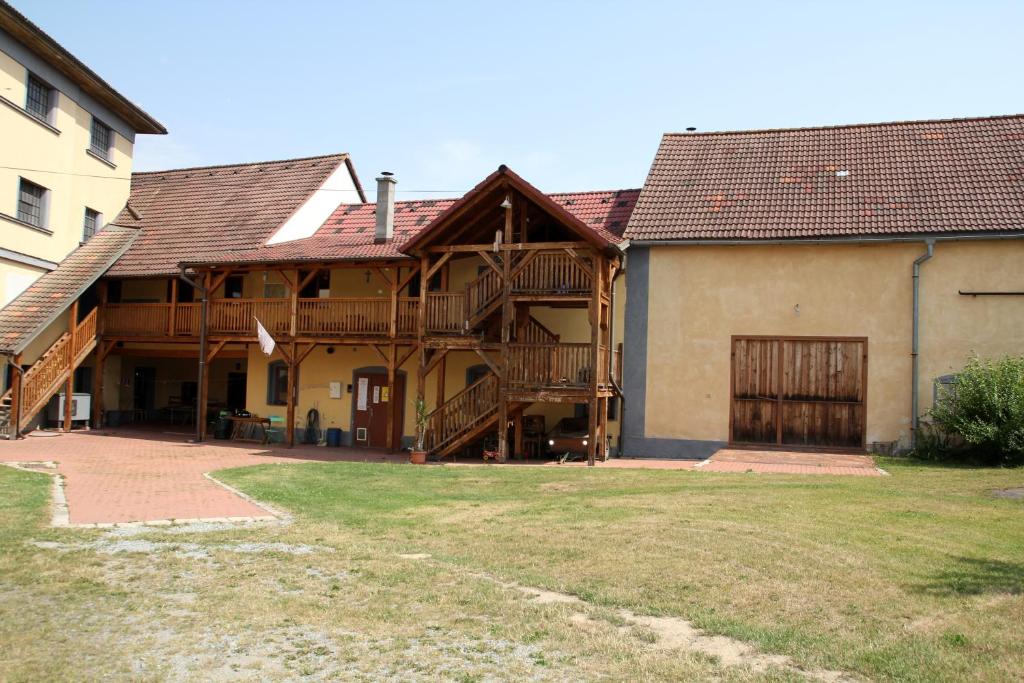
[[916, 576]]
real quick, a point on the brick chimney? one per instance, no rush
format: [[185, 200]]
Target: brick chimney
[[385, 228]]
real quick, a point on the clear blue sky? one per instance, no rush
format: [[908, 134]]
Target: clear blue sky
[[572, 95]]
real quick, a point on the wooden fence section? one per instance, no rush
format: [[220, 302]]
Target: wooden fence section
[[238, 316], [462, 412], [136, 320], [326, 317], [352, 315], [446, 312], [796, 391], [549, 365], [551, 273], [186, 319]]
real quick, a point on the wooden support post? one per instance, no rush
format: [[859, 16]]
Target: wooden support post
[[389, 439], [597, 285], [100, 359], [293, 395], [441, 370], [15, 418], [506, 333], [294, 306], [517, 451], [393, 326], [421, 326], [173, 314], [69, 383]]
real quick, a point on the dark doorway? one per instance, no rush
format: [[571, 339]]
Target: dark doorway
[[475, 372], [144, 391], [236, 390], [370, 402]]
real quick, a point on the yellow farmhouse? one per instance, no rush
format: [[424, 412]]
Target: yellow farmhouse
[[66, 141], [816, 287]]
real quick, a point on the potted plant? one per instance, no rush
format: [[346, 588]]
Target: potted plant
[[418, 456]]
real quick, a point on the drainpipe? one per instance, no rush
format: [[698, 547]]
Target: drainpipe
[[611, 355], [200, 410], [916, 340]]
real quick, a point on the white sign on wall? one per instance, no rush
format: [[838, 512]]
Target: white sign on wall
[[334, 389], [361, 395]]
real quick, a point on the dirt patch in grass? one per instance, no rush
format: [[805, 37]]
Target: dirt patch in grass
[[1012, 494]]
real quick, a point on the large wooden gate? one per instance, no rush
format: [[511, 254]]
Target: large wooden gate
[[799, 391]]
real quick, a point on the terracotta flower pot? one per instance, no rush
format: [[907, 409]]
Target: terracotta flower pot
[[418, 457]]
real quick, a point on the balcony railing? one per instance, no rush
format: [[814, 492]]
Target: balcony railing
[[551, 365], [314, 317]]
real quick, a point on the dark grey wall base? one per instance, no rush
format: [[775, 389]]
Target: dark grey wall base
[[680, 449]]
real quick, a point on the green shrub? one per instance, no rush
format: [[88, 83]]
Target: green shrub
[[982, 417]]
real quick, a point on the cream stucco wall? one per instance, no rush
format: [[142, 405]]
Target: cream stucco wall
[[57, 160], [700, 296]]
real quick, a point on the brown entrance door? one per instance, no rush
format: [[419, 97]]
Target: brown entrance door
[[799, 391], [371, 403]]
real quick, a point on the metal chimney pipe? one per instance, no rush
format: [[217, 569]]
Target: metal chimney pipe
[[385, 228]]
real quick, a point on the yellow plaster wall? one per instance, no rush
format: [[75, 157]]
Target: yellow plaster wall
[[700, 296], [60, 163]]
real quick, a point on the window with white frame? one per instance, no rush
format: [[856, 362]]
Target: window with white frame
[[100, 139], [39, 99], [92, 224], [32, 203]]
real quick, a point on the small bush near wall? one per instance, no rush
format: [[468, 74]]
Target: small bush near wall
[[981, 417]]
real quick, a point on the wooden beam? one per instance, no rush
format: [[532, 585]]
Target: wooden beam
[[523, 262], [517, 449], [382, 354], [408, 278], [408, 354], [173, 315], [308, 278], [214, 349], [490, 363], [433, 269], [293, 397], [383, 275], [393, 314], [69, 383], [305, 352], [389, 441], [517, 246], [293, 307], [492, 263], [15, 418], [580, 262], [97, 383], [217, 281], [442, 367], [435, 358], [288, 281]]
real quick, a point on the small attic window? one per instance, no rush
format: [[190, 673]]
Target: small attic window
[[842, 174], [570, 202]]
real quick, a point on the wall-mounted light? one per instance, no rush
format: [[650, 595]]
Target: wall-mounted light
[[796, 309]]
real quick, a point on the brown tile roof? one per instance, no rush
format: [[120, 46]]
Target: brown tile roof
[[960, 175], [45, 299], [202, 213], [348, 233]]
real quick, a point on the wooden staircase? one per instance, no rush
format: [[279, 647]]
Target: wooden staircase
[[41, 381], [465, 417]]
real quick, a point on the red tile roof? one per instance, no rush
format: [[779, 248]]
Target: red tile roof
[[348, 233], [46, 298], [915, 177], [202, 213]]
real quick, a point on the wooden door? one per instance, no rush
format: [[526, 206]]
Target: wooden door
[[371, 404], [799, 391]]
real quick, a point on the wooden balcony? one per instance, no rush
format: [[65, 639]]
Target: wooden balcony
[[554, 366], [334, 317]]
